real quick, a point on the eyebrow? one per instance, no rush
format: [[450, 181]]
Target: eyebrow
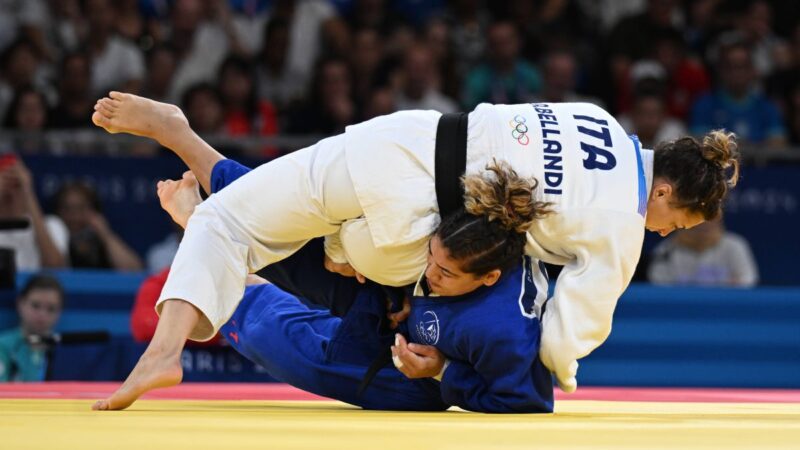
[[444, 269]]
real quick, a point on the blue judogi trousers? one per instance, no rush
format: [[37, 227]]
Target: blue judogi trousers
[[319, 331]]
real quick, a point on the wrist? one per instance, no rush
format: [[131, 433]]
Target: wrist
[[441, 372]]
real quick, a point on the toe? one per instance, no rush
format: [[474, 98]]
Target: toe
[[118, 95], [100, 405], [109, 104], [189, 176], [100, 120]]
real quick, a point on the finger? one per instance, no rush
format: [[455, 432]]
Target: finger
[[424, 350], [396, 359], [400, 341], [361, 278]]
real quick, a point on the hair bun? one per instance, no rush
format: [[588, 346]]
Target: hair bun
[[720, 148]]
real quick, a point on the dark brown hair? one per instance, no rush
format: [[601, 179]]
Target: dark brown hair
[[701, 173], [489, 233]]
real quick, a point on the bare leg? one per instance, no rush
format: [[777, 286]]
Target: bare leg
[[160, 365], [127, 113]]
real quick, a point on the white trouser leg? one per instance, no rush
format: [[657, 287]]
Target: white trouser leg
[[261, 218]]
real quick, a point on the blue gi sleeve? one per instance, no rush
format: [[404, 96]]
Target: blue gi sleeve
[[507, 377]]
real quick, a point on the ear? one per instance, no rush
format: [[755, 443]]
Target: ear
[[662, 189], [491, 278]]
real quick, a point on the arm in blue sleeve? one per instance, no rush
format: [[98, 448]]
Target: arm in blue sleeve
[[507, 377], [225, 172]]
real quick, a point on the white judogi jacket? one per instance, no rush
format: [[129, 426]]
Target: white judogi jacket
[[587, 167]]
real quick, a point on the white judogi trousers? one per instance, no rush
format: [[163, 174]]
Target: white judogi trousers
[[267, 215]]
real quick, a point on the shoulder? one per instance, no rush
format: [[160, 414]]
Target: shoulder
[[733, 240], [8, 338]]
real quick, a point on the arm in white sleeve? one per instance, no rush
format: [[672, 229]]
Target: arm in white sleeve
[[605, 247]]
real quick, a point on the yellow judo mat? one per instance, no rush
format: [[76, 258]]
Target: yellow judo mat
[[263, 424]]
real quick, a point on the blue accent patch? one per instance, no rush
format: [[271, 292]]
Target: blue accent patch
[[642, 183]]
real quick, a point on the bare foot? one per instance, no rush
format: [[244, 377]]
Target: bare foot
[[151, 372], [128, 113], [179, 197]]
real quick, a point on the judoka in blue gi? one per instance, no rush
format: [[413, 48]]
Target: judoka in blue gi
[[489, 333]]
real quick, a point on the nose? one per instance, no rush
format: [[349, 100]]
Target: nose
[[431, 273]]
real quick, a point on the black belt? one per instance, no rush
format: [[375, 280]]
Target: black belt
[[450, 162], [449, 165]]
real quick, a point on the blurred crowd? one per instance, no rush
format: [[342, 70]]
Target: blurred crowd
[[260, 68], [287, 67]]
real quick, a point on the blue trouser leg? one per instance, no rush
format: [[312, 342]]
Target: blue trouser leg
[[303, 273], [293, 343]]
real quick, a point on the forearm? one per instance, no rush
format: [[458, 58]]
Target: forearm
[[194, 152], [50, 255], [122, 257]]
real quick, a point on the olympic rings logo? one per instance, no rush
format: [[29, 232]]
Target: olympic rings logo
[[519, 129]]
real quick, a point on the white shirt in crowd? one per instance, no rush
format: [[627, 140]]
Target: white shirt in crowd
[[23, 242], [120, 62], [728, 263]]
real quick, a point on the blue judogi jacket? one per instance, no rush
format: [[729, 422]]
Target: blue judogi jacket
[[491, 337]]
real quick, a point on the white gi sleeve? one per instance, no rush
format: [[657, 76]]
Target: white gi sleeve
[[334, 248], [605, 247]]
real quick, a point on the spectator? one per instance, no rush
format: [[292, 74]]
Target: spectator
[[131, 24], [438, 39], [39, 306], [366, 60], [44, 241], [161, 65], [21, 67], [738, 105], [115, 62], [92, 242], [702, 21], [380, 103], [27, 115], [276, 83], [203, 107], [418, 83], [200, 45], [468, 24], [331, 106], [311, 22], [374, 14], [75, 102], [244, 113], [635, 36], [549, 25], [784, 87], [648, 120], [506, 78], [687, 78], [560, 72], [23, 18], [755, 25], [705, 255]]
